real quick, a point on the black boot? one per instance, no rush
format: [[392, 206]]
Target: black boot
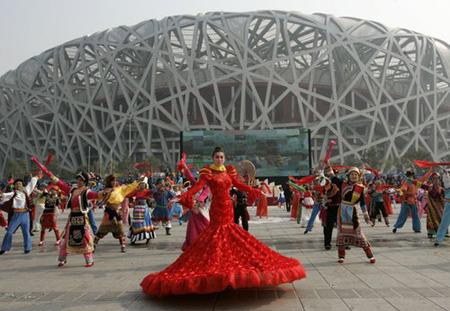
[[168, 231]]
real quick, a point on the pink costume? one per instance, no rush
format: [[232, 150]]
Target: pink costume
[[197, 222]]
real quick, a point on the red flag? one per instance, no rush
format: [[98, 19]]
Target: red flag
[[328, 155], [293, 179], [137, 165], [340, 167], [306, 180], [11, 181], [384, 187], [426, 164], [49, 159]]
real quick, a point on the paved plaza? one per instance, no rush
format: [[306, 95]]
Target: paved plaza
[[410, 274]]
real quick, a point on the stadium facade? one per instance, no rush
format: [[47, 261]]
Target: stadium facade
[[131, 90]]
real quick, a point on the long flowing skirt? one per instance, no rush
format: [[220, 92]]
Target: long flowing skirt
[[141, 226], [349, 228], [435, 209], [223, 255]]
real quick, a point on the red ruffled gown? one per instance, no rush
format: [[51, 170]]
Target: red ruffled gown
[[224, 254]]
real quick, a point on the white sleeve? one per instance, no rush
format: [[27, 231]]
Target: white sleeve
[[446, 180], [7, 196], [30, 187]]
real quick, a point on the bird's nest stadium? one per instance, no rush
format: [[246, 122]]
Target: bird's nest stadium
[[133, 89]]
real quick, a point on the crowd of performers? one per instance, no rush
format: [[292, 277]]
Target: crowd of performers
[[218, 252]]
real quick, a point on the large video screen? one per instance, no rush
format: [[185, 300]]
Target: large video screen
[[274, 153]]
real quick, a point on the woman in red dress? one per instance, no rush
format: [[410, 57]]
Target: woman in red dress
[[262, 206], [224, 255]]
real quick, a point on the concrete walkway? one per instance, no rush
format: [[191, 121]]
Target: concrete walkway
[[410, 274]]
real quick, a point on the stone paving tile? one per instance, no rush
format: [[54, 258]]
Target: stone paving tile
[[368, 304], [333, 304], [307, 294], [414, 304], [69, 297], [347, 293], [326, 293], [109, 296], [89, 296], [387, 293], [445, 291], [406, 292], [443, 302], [50, 296], [130, 296], [408, 268], [427, 292], [366, 293], [286, 294], [267, 294]]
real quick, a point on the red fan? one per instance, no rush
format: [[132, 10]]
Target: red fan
[[49, 159], [246, 169], [11, 181]]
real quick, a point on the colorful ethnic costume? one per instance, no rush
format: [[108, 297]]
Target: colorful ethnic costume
[[224, 255], [176, 211], [445, 222], [197, 221], [435, 209], [349, 226], [141, 227], [409, 202], [295, 204], [49, 217], [18, 203], [161, 212], [318, 196], [378, 205], [78, 236], [112, 219]]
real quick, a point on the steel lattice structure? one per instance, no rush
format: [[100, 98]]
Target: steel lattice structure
[[131, 90]]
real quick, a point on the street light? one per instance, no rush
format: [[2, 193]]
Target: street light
[[89, 158], [129, 138]]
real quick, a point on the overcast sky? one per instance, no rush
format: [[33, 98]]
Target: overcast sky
[[29, 27]]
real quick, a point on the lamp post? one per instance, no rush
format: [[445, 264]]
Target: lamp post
[[129, 138], [89, 158]]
